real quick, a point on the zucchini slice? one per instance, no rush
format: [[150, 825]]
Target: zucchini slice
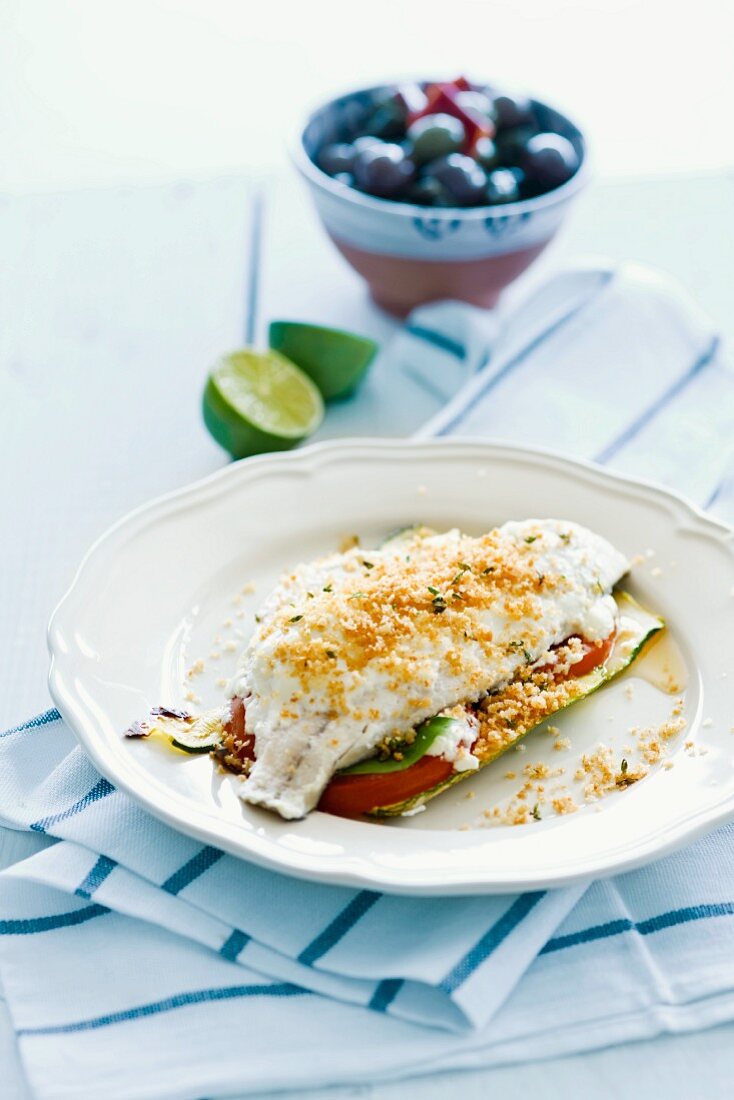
[[203, 735], [637, 627], [406, 535], [193, 734]]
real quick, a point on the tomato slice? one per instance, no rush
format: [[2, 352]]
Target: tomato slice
[[595, 655], [354, 795], [238, 742]]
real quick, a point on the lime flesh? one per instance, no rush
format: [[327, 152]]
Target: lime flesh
[[257, 401]]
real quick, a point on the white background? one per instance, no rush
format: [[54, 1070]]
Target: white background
[[101, 91]]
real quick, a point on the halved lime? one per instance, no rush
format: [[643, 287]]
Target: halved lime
[[336, 360], [256, 401]]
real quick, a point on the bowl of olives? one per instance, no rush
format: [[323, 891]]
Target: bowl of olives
[[440, 189]]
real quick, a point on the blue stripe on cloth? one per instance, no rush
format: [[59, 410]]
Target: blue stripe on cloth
[[523, 354], [588, 935], [234, 943], [658, 405], [715, 495], [179, 1000], [101, 870], [99, 790], [191, 870], [385, 994], [254, 269], [490, 941], [425, 383], [32, 925], [438, 339], [44, 719], [645, 928], [350, 914], [725, 486]]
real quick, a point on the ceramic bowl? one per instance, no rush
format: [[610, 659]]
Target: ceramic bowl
[[412, 254]]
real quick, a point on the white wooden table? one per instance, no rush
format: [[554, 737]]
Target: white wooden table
[[112, 306]]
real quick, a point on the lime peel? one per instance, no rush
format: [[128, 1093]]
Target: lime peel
[[335, 359]]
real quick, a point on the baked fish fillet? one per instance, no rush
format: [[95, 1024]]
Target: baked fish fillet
[[362, 646]]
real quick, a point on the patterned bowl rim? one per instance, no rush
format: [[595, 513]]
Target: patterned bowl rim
[[343, 192]]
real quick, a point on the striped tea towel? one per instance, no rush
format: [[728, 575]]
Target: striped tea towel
[[137, 963]]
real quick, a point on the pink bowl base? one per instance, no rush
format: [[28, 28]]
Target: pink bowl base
[[398, 285]]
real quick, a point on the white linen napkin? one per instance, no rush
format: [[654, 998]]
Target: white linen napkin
[[139, 963]]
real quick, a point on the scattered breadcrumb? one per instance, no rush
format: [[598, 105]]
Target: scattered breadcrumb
[[638, 559], [222, 682], [537, 771], [600, 773], [248, 589], [470, 794], [230, 647], [564, 805], [629, 691], [196, 669], [348, 542], [215, 655], [656, 572], [561, 743], [652, 740], [513, 775], [668, 764], [707, 722], [191, 696]]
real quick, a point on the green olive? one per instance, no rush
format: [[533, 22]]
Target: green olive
[[435, 136]]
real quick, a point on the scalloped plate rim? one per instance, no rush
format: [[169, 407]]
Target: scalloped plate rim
[[353, 871]]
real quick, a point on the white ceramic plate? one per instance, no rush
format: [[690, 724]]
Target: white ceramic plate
[[156, 591]]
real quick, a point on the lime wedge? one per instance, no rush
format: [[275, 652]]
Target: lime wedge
[[256, 401], [336, 360]]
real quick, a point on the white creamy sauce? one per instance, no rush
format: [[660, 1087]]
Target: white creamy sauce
[[300, 744], [455, 745]]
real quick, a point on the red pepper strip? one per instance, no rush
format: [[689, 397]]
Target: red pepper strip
[[441, 100]]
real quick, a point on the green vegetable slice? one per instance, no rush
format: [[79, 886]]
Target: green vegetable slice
[[425, 734], [407, 534], [190, 734]]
